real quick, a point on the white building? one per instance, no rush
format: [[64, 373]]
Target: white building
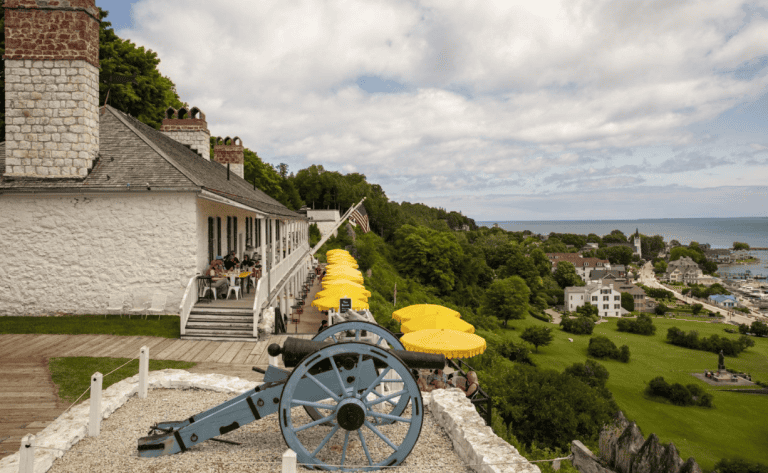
[[94, 202], [604, 297], [325, 220], [683, 270]]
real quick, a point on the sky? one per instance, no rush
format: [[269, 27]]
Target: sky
[[502, 110]]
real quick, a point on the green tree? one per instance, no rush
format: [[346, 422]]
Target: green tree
[[739, 465], [737, 245], [507, 299], [617, 254], [696, 308], [538, 336], [616, 236], [759, 328], [660, 266], [429, 255], [566, 275], [591, 372], [602, 347], [314, 235], [627, 301]]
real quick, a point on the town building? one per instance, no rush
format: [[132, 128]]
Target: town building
[[325, 219], [95, 203], [643, 303], [683, 270], [607, 276], [729, 302], [583, 266], [605, 297]]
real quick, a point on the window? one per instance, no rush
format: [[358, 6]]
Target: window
[[211, 256], [218, 236], [571, 297], [617, 298], [606, 298], [248, 230], [617, 306], [229, 234], [605, 306], [594, 298], [234, 233]]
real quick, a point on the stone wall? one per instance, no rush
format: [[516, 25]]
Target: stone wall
[[624, 450], [70, 253], [189, 131], [474, 441], [232, 154], [51, 86], [52, 122]]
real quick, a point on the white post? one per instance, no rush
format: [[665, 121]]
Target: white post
[[289, 461], [27, 454], [143, 371], [94, 422]]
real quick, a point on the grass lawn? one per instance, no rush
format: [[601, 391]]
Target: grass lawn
[[167, 326], [735, 427], [73, 375]]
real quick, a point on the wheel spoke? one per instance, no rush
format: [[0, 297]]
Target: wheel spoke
[[344, 450], [376, 383], [388, 401], [325, 440], [335, 340], [317, 422], [316, 405], [385, 398], [338, 376], [381, 436], [407, 420], [357, 335], [324, 387], [365, 447]]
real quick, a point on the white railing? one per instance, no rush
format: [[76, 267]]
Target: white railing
[[262, 292], [187, 302]]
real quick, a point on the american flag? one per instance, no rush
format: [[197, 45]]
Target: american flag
[[360, 217]]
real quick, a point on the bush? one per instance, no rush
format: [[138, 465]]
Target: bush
[[738, 465], [602, 347], [591, 372], [643, 325], [577, 325], [714, 343], [690, 395], [696, 308], [760, 329], [661, 309], [623, 354]]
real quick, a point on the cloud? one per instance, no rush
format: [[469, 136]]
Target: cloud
[[483, 97]]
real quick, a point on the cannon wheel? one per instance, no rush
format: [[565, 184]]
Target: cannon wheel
[[335, 333], [350, 412]]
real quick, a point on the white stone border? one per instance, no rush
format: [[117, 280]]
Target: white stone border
[[474, 442]]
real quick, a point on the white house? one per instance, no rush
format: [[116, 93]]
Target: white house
[[604, 297], [94, 202], [683, 270], [325, 220]]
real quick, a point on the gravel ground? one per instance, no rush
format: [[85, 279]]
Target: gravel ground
[[114, 450]]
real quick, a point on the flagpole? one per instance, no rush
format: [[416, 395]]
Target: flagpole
[[394, 302]]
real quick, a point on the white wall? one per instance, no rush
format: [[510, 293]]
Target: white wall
[[69, 253], [207, 208]]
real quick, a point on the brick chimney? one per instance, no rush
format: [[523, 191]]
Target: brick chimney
[[229, 150], [186, 128], [51, 87]]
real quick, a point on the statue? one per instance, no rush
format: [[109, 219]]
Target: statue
[[721, 361]]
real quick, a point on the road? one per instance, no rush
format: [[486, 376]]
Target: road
[[648, 278]]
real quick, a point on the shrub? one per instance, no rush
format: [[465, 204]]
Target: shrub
[[602, 347], [661, 309], [714, 343], [738, 465], [679, 395], [643, 325], [658, 387], [696, 308], [591, 372], [690, 395], [759, 328], [577, 325], [623, 354]]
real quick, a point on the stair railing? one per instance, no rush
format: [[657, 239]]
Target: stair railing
[[262, 291], [187, 302]]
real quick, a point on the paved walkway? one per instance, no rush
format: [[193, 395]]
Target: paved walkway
[[28, 397]]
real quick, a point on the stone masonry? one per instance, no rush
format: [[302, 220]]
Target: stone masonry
[[230, 151], [189, 130], [51, 87]]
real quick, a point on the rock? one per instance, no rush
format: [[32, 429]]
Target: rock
[[585, 461], [629, 442], [690, 466]]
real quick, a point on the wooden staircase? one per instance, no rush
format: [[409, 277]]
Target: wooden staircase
[[226, 325]]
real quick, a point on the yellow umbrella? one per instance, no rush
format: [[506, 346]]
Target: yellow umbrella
[[328, 303], [340, 290], [436, 322], [344, 277], [351, 265], [422, 310], [337, 252], [451, 343], [344, 272], [327, 283]]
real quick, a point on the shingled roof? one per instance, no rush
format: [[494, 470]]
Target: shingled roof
[[134, 156]]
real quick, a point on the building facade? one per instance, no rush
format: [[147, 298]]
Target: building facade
[[604, 297], [683, 270]]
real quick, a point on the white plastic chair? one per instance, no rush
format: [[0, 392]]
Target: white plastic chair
[[115, 304], [158, 304], [205, 291], [233, 287], [140, 303]]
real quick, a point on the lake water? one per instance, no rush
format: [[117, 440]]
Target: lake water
[[718, 232], [754, 269]]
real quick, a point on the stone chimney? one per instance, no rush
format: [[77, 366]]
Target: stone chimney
[[189, 130], [229, 150], [51, 88]]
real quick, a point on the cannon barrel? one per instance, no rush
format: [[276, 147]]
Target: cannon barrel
[[295, 349]]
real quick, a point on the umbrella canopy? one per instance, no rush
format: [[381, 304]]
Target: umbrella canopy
[[346, 264], [344, 273], [337, 252], [342, 290], [422, 310], [328, 303], [328, 283], [436, 322], [451, 343], [343, 277]]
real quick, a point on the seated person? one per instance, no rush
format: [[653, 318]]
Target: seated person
[[437, 380], [323, 326], [472, 386], [247, 263], [216, 269]]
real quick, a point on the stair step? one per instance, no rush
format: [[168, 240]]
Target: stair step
[[219, 311], [219, 339], [219, 326], [207, 332], [219, 318]]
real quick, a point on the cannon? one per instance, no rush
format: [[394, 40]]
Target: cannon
[[367, 407]]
